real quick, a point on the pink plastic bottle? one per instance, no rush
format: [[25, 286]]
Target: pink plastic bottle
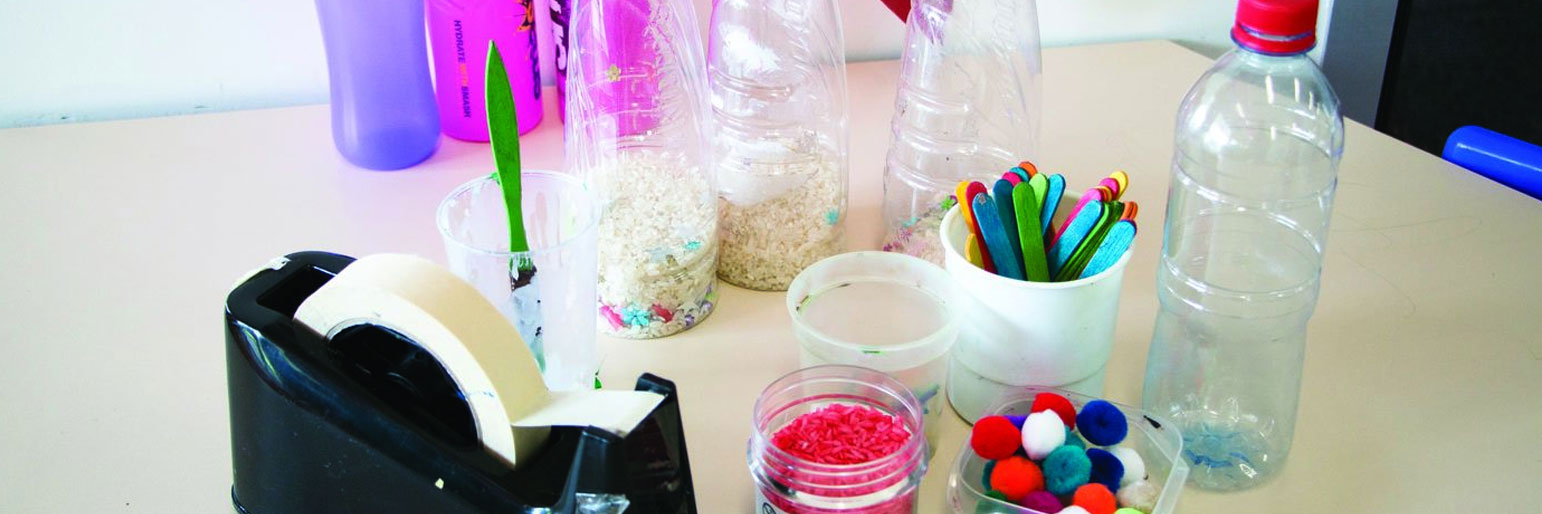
[[458, 32]]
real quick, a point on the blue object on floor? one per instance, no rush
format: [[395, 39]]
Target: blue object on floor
[[1499, 157]]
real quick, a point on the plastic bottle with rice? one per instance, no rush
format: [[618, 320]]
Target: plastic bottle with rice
[[636, 107]]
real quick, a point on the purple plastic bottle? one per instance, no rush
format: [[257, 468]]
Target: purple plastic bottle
[[383, 114], [459, 32]]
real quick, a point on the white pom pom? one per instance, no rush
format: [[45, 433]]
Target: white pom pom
[[1042, 433], [1134, 467], [1139, 495], [1074, 510]]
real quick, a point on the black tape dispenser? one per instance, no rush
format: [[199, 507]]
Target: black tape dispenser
[[359, 416]]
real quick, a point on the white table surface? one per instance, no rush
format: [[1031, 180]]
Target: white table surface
[[1421, 383]]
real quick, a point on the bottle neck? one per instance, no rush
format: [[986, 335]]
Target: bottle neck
[[1268, 44]]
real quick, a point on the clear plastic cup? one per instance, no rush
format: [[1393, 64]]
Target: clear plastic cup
[[890, 312], [1027, 333], [1156, 440], [552, 306]]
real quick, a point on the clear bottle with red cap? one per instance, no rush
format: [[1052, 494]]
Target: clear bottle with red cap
[[1258, 142]]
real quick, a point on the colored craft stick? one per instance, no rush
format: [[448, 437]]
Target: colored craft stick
[[1040, 185], [1088, 196], [1012, 177], [1113, 187], [1020, 172], [972, 251], [1029, 236], [1089, 245], [1104, 193], [1002, 191], [996, 243], [1076, 229], [1111, 249], [1123, 180], [1029, 167], [1130, 210], [966, 193], [1054, 189]]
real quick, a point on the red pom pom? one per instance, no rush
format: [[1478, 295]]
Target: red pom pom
[[1096, 498], [1016, 477], [1057, 403], [995, 437]]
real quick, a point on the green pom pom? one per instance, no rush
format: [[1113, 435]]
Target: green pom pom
[[1071, 439], [986, 507], [1066, 469], [1128, 510]]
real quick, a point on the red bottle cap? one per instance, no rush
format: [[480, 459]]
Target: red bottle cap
[[1276, 26]]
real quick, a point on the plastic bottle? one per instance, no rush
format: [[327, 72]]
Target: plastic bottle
[[637, 115], [1257, 149], [967, 108], [777, 74], [383, 114], [460, 31]]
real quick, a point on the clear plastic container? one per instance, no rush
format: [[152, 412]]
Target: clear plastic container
[[1158, 442], [777, 74], [967, 108], [788, 484], [551, 300], [637, 114], [918, 302], [1257, 148]]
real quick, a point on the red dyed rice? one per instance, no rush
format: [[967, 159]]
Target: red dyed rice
[[842, 434]]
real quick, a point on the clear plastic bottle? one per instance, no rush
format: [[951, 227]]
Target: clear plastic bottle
[[1257, 149], [967, 108], [777, 73], [636, 117]]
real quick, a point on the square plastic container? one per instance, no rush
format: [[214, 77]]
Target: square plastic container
[[1158, 442]]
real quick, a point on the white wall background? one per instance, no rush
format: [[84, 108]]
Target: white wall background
[[87, 60]]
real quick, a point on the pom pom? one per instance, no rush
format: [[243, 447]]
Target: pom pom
[[1134, 466], [1073, 510], [1071, 438], [1066, 469], [1127, 510], [1042, 433], [994, 437], [985, 479], [1061, 407], [1042, 501], [1102, 423], [1140, 495], [1096, 499], [1106, 468], [1016, 477], [1016, 419], [989, 507]]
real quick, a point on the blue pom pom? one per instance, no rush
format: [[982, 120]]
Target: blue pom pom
[[990, 466], [1106, 468], [1017, 419], [1066, 469], [1102, 423]]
